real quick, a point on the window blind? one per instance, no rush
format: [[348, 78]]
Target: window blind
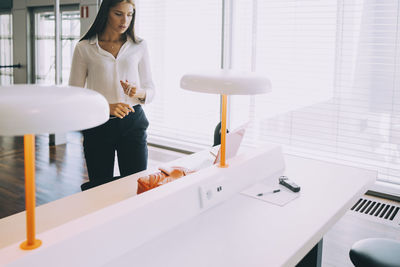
[[182, 36], [334, 68]]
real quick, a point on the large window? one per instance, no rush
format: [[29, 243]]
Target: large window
[[334, 68], [44, 43], [6, 51], [182, 36]]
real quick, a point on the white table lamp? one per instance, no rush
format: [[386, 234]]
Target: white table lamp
[[30, 109], [225, 82]]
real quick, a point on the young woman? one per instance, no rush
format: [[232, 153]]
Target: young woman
[[111, 60]]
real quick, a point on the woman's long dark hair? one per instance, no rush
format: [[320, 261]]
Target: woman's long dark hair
[[100, 22]]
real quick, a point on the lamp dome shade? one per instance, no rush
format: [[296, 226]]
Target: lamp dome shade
[[34, 109], [227, 82]]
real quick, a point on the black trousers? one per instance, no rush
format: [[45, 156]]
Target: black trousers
[[127, 136]]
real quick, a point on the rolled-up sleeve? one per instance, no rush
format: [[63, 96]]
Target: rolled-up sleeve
[[146, 80], [79, 69]]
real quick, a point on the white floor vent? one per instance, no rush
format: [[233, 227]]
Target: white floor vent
[[378, 209]]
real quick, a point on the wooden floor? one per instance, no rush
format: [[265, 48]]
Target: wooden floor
[[60, 170]]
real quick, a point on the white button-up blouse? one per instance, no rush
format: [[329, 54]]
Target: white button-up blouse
[[102, 72]]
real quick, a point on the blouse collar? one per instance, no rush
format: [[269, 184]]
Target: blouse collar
[[95, 39]]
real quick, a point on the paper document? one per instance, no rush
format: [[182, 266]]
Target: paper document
[[278, 195]]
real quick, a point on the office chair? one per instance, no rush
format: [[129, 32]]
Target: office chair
[[375, 252], [217, 134]]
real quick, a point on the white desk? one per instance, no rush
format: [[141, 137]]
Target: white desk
[[12, 228], [241, 231], [248, 232]]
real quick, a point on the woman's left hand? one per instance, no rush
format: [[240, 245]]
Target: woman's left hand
[[129, 88]]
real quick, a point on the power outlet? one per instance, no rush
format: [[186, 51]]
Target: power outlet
[[212, 193]]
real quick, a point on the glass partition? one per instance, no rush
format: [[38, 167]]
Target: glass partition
[[6, 49], [44, 44]]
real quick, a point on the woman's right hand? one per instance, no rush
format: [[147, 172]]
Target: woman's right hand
[[120, 110]]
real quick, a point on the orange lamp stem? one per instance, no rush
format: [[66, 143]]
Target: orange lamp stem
[[222, 163], [29, 154]]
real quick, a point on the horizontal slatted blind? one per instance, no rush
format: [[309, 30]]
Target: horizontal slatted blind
[[182, 36], [334, 68]]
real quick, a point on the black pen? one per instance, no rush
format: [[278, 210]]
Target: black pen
[[270, 192]]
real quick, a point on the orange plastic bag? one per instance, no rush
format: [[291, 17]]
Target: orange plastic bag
[[165, 175]]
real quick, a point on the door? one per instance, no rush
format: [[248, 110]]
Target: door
[[44, 43]]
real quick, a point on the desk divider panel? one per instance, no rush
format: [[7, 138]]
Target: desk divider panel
[[106, 234]]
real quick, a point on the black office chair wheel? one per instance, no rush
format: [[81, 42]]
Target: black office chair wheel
[[376, 252]]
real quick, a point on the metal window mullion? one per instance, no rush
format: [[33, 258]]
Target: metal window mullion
[[253, 62], [32, 43], [254, 37], [57, 35], [226, 46], [57, 54], [11, 43]]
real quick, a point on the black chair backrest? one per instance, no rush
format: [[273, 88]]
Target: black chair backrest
[[217, 134]]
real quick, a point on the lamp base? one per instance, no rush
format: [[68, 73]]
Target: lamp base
[[24, 245]]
